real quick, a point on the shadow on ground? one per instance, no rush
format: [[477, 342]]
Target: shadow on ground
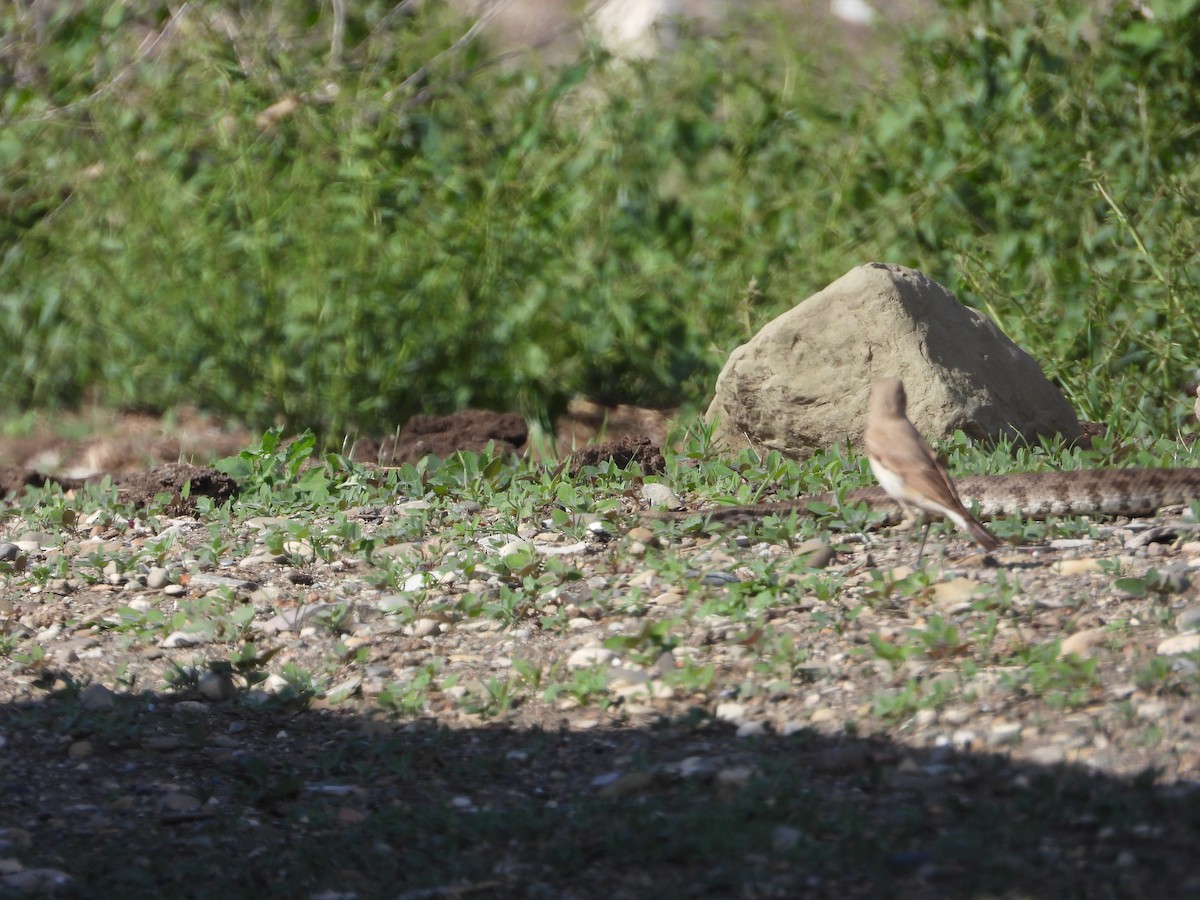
[[154, 795]]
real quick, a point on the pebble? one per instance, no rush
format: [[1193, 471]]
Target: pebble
[[751, 729], [591, 655], [1151, 710], [729, 711], [1048, 755], [422, 628], [216, 686], [96, 696], [206, 581], [957, 715], [35, 881], [79, 750], [819, 554], [302, 550], [955, 595], [261, 559], [157, 578], [1181, 643], [1188, 619], [1003, 733], [785, 838], [179, 802], [177, 639], [660, 496], [964, 739], [1085, 566], [718, 579], [733, 779], [291, 619], [1082, 642]]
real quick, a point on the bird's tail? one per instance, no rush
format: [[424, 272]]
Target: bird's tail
[[982, 536]]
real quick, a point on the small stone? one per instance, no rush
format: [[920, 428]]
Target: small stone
[[302, 550], [641, 535], [1082, 642], [344, 689], [1049, 755], [591, 655], [1003, 733], [209, 582], [729, 711], [179, 802], [955, 594], [216, 686], [731, 781], [817, 553], [660, 496], [95, 697], [627, 784], [1188, 619], [1151, 710], [42, 882], [964, 739], [157, 578], [1181, 643], [956, 715], [422, 628], [1085, 566], [79, 750], [785, 838], [177, 639]]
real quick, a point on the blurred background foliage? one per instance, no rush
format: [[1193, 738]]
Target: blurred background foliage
[[228, 206]]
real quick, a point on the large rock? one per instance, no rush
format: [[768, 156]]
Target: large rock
[[800, 384]]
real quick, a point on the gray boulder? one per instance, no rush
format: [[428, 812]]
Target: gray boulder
[[800, 385]]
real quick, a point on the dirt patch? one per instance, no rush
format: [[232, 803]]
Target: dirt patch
[[640, 450], [98, 442], [14, 480], [141, 488], [468, 430]]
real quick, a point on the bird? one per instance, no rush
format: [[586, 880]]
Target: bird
[[907, 468]]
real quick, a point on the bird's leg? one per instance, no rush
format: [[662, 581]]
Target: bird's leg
[[924, 536]]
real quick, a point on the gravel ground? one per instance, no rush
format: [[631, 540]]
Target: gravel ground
[[198, 703]]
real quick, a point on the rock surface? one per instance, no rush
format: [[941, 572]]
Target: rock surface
[[800, 384]]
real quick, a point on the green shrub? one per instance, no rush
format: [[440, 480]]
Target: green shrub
[[426, 231]]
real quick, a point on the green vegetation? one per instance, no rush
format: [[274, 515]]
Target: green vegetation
[[422, 229]]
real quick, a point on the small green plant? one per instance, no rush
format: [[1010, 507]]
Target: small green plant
[[1063, 682], [586, 684], [913, 696], [409, 698], [492, 698], [645, 647]]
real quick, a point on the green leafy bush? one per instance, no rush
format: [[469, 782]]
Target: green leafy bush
[[417, 229]]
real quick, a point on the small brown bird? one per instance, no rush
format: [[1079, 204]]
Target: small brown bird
[[908, 469]]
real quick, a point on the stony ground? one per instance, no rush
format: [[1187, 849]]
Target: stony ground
[[490, 705]]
